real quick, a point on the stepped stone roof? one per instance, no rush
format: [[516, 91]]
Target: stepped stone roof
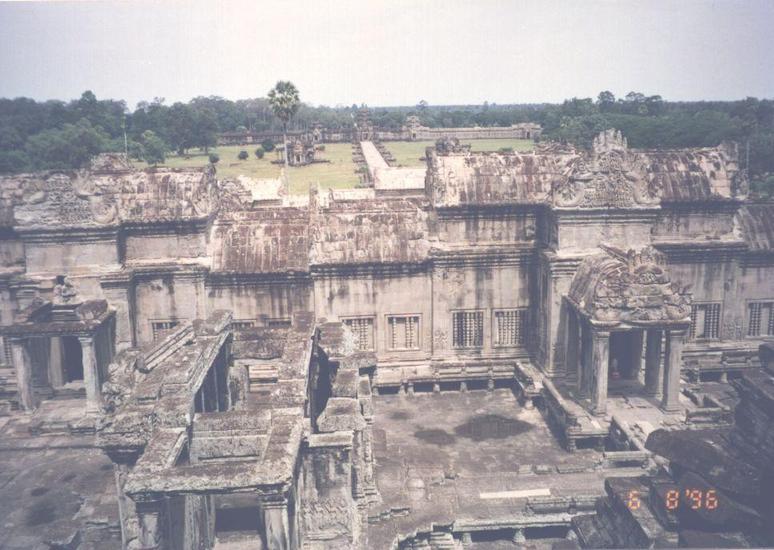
[[756, 222], [610, 176], [265, 241], [106, 194], [378, 231]]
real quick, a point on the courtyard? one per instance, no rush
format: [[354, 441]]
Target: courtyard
[[337, 173], [409, 153], [56, 496], [475, 456]]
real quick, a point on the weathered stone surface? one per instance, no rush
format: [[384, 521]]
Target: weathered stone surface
[[628, 286], [729, 515], [703, 452]]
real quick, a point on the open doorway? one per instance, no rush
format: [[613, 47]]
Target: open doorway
[[73, 359], [625, 361]]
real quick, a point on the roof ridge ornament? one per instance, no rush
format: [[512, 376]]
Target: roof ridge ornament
[[610, 177]]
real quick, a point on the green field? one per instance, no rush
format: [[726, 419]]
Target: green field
[[408, 153], [339, 173]]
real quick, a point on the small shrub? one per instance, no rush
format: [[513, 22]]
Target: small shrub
[[505, 150], [214, 158], [259, 153], [268, 145], [242, 155]]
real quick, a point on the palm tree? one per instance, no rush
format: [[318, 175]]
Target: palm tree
[[284, 101]]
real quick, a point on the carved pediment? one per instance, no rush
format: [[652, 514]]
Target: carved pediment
[[62, 200], [610, 177], [628, 287]]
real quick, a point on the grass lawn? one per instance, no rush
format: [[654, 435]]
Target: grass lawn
[[339, 173], [408, 153]]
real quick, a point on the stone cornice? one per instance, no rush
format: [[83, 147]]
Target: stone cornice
[[178, 271], [478, 210], [224, 278], [62, 235], [588, 215], [170, 227], [700, 251], [483, 255], [369, 269]]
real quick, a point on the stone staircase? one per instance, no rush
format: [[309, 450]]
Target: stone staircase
[[442, 540], [262, 376]]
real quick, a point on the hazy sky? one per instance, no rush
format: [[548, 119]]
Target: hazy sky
[[392, 52]]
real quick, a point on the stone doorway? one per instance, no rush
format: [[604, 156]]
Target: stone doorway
[[72, 365], [625, 361]]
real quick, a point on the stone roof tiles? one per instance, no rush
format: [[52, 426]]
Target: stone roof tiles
[[370, 232], [275, 241], [757, 224], [105, 198], [494, 178]]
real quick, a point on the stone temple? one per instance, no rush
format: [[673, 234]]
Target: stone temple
[[553, 349]]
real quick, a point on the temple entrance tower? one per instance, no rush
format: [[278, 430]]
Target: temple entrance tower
[[62, 346], [626, 326]]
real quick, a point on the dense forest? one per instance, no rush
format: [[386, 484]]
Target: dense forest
[[56, 134]]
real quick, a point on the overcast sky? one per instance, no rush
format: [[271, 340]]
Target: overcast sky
[[391, 52]]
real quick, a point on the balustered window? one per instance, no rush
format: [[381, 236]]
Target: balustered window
[[761, 319], [705, 321], [7, 352], [363, 329], [510, 327], [403, 332], [161, 328], [468, 329]]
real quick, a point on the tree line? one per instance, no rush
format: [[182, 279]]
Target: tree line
[[61, 135]]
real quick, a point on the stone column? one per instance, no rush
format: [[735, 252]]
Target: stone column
[[571, 357], [600, 354], [653, 364], [636, 340], [276, 523], [151, 523], [585, 365], [56, 363], [673, 360], [118, 289], [23, 366], [91, 376]]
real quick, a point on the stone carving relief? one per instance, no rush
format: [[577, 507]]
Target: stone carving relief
[[635, 288], [332, 516], [732, 329], [440, 339], [65, 201], [611, 176], [65, 293]]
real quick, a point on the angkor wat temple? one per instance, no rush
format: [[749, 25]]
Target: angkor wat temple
[[248, 363]]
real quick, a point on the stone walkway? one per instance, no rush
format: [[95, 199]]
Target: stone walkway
[[373, 158]]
